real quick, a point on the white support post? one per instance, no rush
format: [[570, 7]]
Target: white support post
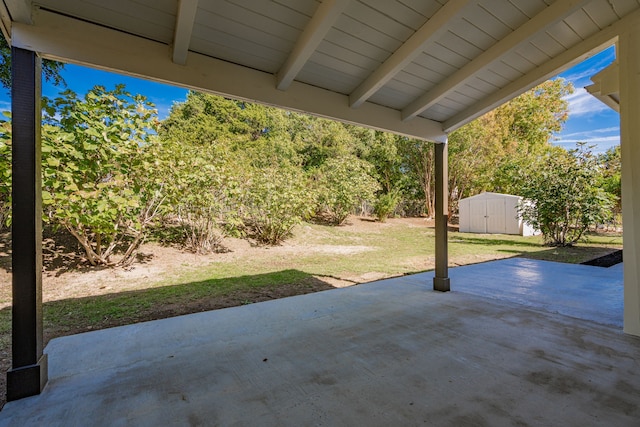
[[629, 60]]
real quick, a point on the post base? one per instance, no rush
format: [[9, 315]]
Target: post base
[[28, 380], [442, 284]]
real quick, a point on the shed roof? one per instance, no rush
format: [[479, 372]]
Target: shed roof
[[490, 195], [420, 68]]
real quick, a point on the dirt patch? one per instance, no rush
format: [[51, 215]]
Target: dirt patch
[[66, 275]]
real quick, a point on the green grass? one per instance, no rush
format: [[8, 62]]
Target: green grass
[[128, 307], [392, 248]]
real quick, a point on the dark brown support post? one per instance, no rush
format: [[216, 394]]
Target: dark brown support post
[[28, 374], [441, 279]]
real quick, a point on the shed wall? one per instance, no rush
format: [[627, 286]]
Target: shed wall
[[492, 213]]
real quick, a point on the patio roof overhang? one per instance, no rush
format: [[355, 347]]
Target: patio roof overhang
[[606, 86], [419, 68]]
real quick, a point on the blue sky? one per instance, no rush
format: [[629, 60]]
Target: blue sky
[[589, 121]]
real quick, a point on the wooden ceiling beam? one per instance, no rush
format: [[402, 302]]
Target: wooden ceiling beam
[[55, 37], [313, 34], [523, 34], [184, 27], [574, 55], [410, 50]]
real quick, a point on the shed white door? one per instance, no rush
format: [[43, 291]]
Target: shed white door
[[496, 221], [487, 216], [477, 216]]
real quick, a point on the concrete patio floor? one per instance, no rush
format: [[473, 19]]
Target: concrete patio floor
[[387, 353]]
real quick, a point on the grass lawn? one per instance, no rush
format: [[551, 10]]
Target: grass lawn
[[168, 282]]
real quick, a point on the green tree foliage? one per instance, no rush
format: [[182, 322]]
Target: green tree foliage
[[199, 194], [386, 204], [382, 151], [274, 200], [563, 198], [50, 69], [475, 151], [274, 155], [488, 153], [611, 181], [318, 140], [342, 183], [100, 176], [417, 166], [243, 171]]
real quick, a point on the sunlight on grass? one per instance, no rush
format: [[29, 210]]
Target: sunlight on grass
[[354, 253]]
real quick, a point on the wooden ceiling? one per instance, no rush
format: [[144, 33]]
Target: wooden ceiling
[[421, 68]]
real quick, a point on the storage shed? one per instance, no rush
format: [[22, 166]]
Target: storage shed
[[492, 213]]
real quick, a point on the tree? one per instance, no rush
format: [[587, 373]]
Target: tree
[[275, 200], [488, 153], [199, 185], [475, 152], [236, 169], [100, 172], [50, 69], [563, 199], [611, 180], [317, 140], [418, 166], [342, 183]]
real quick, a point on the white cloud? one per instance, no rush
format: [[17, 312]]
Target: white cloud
[[582, 102], [582, 77], [600, 143], [613, 129]]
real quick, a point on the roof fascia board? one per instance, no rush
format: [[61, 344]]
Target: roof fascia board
[[57, 37], [609, 79], [410, 50], [313, 34], [607, 100], [523, 34], [184, 27], [606, 86], [574, 55]]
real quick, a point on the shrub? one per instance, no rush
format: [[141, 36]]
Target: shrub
[[275, 200], [386, 205], [97, 170], [564, 198], [342, 183], [199, 188]]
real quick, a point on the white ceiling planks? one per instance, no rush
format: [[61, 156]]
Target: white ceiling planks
[[433, 29], [308, 42], [437, 63], [547, 17]]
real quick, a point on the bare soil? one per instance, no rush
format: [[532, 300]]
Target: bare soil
[[66, 275]]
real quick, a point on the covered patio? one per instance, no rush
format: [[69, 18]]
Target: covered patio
[[392, 352], [416, 68]]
